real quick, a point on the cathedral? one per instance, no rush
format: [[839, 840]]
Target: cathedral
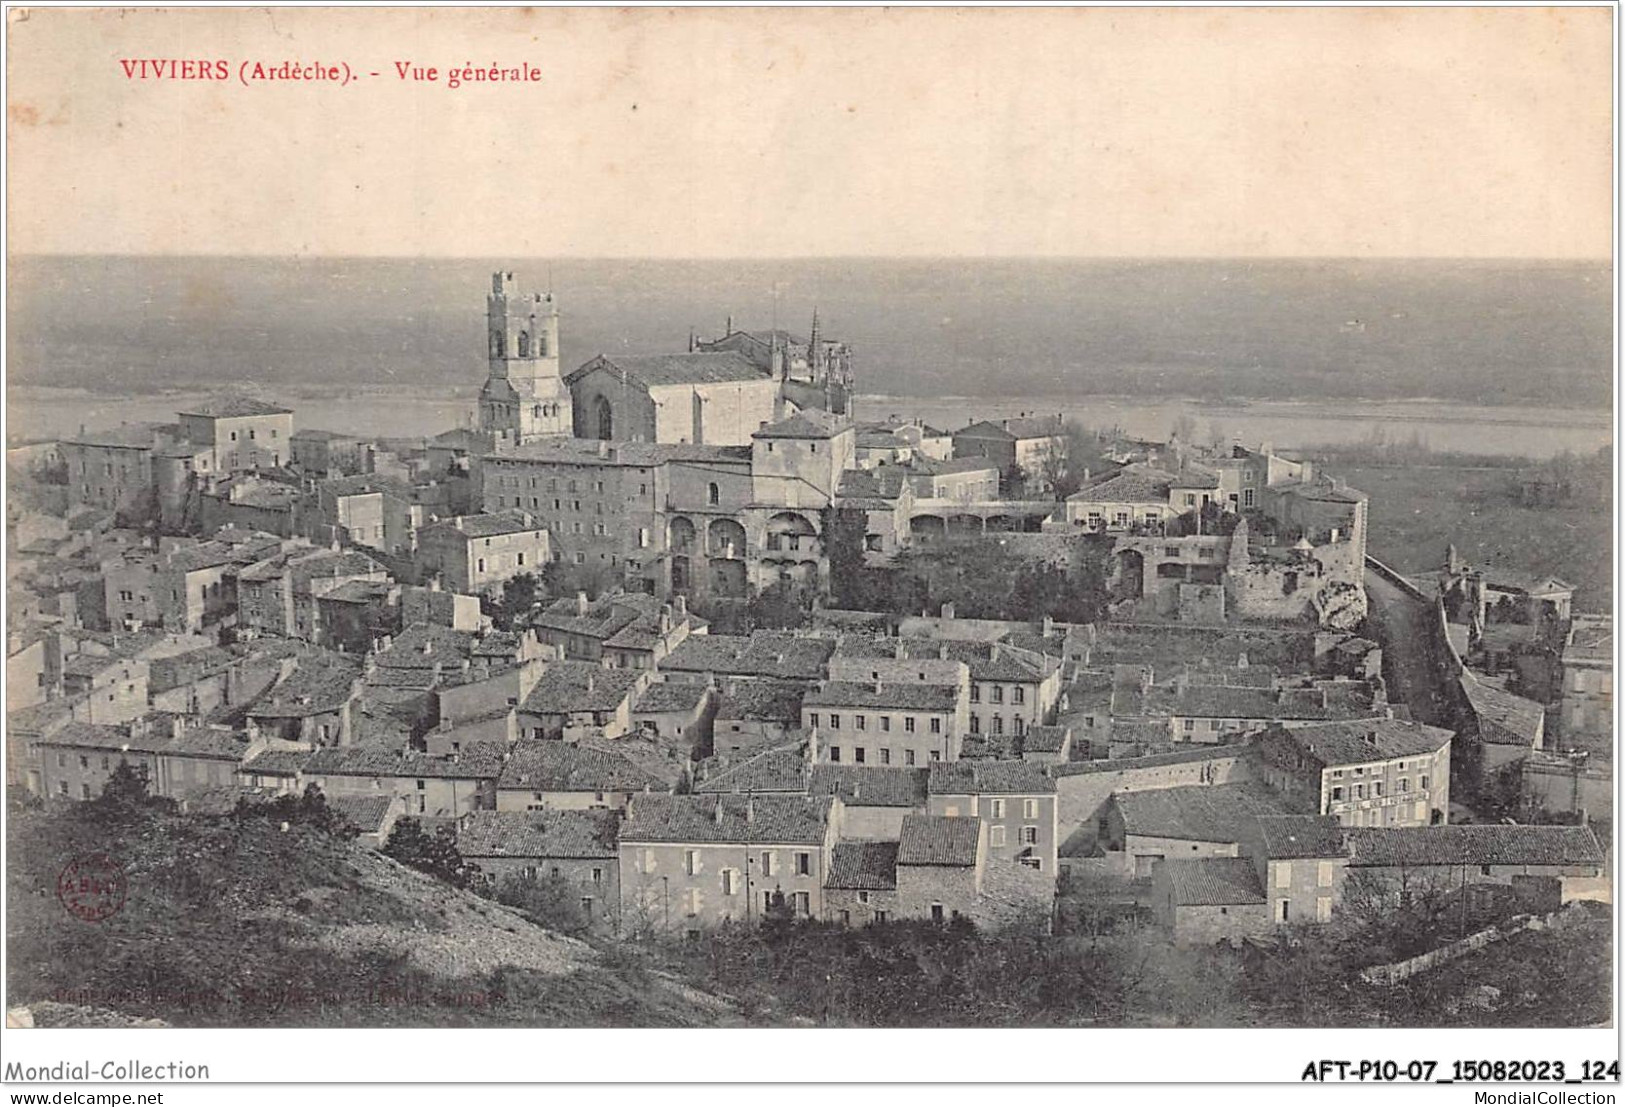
[[718, 393]]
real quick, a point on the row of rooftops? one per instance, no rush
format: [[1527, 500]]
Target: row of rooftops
[[925, 840], [1232, 881]]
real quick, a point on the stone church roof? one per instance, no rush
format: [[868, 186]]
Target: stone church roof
[[672, 369]]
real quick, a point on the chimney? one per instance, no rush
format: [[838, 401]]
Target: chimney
[[679, 605], [176, 726], [942, 651], [947, 611], [993, 652], [428, 647], [750, 809], [581, 604], [1049, 625], [466, 664], [603, 448], [716, 812], [877, 686]]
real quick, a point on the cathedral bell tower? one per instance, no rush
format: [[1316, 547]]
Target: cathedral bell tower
[[524, 397]]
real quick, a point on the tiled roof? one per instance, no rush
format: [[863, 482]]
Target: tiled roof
[[592, 453], [571, 686], [137, 436], [984, 429], [1197, 812], [89, 664], [969, 778], [1288, 836], [489, 526], [572, 834], [760, 698], [98, 737], [475, 761], [897, 695], [668, 696], [781, 769], [1213, 881], [358, 591], [870, 786], [207, 742], [313, 434], [1503, 718], [946, 466], [763, 653], [763, 819], [365, 813], [1220, 701], [41, 716], [866, 866], [366, 484], [1045, 739], [1134, 485], [1152, 761], [987, 661], [938, 840], [564, 767], [235, 407], [667, 369], [277, 762], [806, 424], [1487, 844], [1360, 741], [1194, 477], [603, 617], [315, 687], [883, 484], [423, 645]]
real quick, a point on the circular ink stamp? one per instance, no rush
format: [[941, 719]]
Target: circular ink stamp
[[92, 887]]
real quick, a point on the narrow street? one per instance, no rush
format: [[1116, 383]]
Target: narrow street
[[1403, 627]]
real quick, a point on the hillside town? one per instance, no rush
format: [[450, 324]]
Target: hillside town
[[539, 635]]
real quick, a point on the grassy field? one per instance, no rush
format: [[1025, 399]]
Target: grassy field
[[1417, 511], [236, 923]]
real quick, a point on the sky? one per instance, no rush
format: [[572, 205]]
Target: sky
[[1422, 132]]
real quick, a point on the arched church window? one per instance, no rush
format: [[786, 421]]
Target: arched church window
[[536, 413], [541, 345], [714, 494], [524, 343], [497, 345]]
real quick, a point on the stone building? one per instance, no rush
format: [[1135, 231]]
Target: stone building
[[243, 432], [1371, 772], [701, 399], [1588, 676], [1016, 799], [1028, 443], [576, 847], [470, 554], [815, 372], [695, 861], [524, 397], [1202, 901]]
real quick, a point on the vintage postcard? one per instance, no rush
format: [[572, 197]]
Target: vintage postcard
[[1087, 519]]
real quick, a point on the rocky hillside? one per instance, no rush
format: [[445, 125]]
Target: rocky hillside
[[228, 922]]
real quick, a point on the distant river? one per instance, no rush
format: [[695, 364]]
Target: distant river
[[34, 413], [1516, 431]]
